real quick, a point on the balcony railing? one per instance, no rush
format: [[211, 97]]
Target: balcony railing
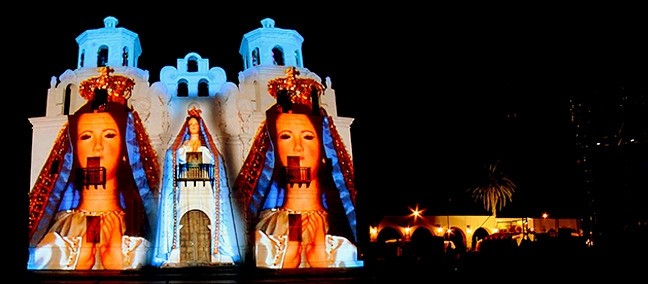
[[299, 175], [94, 176], [191, 172]]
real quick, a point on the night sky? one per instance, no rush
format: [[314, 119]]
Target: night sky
[[436, 92]]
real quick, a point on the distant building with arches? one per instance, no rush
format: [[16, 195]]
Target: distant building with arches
[[441, 233]]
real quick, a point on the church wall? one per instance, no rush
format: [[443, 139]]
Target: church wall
[[232, 112]]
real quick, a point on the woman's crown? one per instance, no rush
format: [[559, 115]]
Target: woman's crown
[[299, 90], [194, 112], [118, 87]]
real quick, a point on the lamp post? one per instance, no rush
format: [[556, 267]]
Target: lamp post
[[525, 228], [448, 212]]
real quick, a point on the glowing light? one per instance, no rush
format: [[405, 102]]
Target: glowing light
[[545, 215], [416, 212], [373, 230]]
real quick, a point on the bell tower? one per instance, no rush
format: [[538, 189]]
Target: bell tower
[[271, 46], [108, 46]]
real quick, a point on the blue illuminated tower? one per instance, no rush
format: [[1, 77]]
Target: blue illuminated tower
[[108, 46]]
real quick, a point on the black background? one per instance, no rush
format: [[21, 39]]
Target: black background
[[436, 92]]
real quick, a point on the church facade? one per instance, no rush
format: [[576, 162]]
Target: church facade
[[193, 227]]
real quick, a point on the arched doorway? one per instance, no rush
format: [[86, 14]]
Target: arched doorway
[[477, 237], [195, 237], [389, 243], [455, 239], [425, 245]]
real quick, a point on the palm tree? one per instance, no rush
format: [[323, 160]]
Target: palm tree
[[496, 190]]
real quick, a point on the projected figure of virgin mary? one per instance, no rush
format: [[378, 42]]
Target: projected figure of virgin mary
[[298, 180], [196, 224], [92, 206]]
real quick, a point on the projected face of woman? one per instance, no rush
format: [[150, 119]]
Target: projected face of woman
[[296, 136], [194, 126], [98, 136]]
